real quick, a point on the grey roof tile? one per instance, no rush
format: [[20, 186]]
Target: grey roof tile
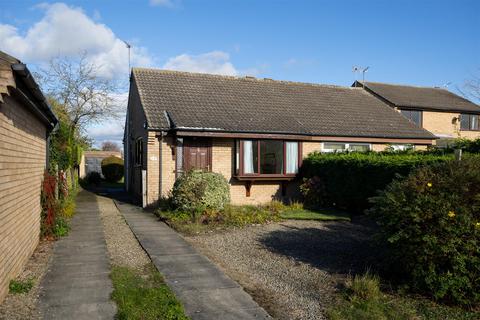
[[234, 104]]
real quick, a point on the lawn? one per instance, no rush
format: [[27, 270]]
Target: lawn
[[144, 295], [318, 215]]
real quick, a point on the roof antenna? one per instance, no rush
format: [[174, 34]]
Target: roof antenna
[[128, 48], [362, 70]]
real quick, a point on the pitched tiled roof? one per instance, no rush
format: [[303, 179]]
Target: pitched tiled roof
[[193, 101], [422, 97]]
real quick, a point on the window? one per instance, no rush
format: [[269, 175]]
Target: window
[[138, 152], [469, 122], [402, 147], [267, 157], [341, 147], [413, 115]]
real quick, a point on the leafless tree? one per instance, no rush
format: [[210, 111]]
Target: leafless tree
[[110, 146], [75, 84], [471, 88]]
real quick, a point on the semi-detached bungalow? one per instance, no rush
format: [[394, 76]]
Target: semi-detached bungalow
[[253, 131]]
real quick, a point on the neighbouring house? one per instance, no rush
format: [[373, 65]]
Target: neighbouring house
[[253, 131], [91, 161], [443, 113], [25, 123]]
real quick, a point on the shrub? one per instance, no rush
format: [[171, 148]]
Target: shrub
[[430, 222], [19, 286], [196, 191], [112, 168], [93, 178], [347, 180]]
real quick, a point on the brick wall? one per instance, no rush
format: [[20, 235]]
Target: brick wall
[[443, 124], [22, 163]]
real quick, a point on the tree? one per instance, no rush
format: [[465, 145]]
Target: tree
[[110, 146], [471, 89], [74, 84]]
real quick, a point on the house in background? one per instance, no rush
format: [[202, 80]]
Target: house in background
[[253, 131], [25, 123], [91, 161], [443, 113]]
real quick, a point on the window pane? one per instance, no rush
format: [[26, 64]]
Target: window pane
[[250, 156], [291, 157], [237, 156], [271, 157], [328, 146], [179, 156], [473, 122], [465, 122], [413, 115], [359, 147]]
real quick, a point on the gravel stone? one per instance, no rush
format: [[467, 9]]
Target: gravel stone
[[291, 268], [23, 306], [123, 247]]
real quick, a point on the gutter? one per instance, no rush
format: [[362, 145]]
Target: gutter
[[40, 107]]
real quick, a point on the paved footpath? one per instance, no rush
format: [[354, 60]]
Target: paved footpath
[[77, 283], [204, 290]]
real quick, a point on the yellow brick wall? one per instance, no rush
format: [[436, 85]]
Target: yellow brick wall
[[168, 166], [443, 124], [153, 168], [22, 163]]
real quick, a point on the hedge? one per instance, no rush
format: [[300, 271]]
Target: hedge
[[347, 180], [112, 168]]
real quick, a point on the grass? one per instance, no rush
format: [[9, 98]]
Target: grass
[[20, 286], [320, 215], [144, 295], [363, 299]]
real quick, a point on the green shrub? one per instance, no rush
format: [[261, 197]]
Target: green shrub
[[347, 180], [19, 286], [430, 222], [112, 168], [196, 191], [93, 178]]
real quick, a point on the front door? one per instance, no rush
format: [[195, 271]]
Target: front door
[[197, 154]]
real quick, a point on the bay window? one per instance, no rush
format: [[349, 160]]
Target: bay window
[[269, 158]]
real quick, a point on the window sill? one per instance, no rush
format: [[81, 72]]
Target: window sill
[[267, 177]]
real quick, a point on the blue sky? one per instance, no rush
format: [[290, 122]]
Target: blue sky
[[427, 43]]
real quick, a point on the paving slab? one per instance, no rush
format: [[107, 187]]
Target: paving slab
[[204, 290], [77, 284]]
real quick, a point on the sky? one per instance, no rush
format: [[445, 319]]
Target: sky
[[417, 42]]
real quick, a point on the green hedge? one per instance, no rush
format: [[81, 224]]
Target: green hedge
[[430, 223], [112, 168], [347, 180]]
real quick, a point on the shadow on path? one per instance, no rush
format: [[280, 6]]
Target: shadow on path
[[335, 247]]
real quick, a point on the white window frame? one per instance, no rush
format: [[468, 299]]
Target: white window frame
[[402, 147], [347, 146]]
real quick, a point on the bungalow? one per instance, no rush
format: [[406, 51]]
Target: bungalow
[[25, 123], [443, 113], [253, 131]]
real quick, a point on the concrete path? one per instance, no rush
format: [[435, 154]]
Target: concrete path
[[204, 290], [77, 283]]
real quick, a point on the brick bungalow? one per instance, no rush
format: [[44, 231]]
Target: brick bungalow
[[443, 113], [25, 123], [253, 131]]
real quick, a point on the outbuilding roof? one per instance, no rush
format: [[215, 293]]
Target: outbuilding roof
[[175, 100], [422, 98]]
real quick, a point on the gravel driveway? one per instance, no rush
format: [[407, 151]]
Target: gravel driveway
[[291, 268]]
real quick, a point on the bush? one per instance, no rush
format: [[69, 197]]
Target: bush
[[430, 222], [112, 168], [196, 191], [93, 178], [347, 180]]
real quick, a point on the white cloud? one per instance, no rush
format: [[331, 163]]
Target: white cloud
[[67, 31], [216, 62]]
